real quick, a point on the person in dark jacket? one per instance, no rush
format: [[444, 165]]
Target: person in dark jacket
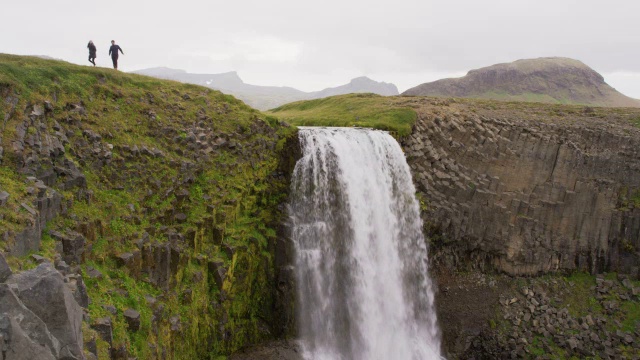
[[92, 52], [113, 51]]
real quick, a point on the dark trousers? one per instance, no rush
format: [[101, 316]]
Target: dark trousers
[[92, 59], [115, 62]]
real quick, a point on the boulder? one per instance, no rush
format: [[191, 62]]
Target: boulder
[[94, 273], [132, 317], [20, 321], [16, 344], [104, 329], [124, 259], [72, 246], [43, 291]]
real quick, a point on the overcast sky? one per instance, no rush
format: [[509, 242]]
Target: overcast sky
[[313, 45]]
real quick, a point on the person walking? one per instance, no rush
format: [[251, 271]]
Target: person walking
[[92, 52], [113, 51]]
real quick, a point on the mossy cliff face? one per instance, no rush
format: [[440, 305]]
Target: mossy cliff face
[[164, 200]]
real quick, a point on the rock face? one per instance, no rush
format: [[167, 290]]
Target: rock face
[[553, 80], [39, 317], [524, 196]]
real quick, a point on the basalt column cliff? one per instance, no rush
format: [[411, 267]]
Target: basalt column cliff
[[528, 192]]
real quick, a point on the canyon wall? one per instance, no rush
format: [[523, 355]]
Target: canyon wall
[[530, 190]]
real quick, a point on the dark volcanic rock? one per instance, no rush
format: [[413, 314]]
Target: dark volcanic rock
[[217, 272], [104, 329], [132, 317], [16, 344], [21, 328], [523, 196], [44, 292], [72, 246], [5, 271]]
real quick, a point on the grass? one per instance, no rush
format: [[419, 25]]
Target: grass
[[128, 195], [13, 215], [361, 110], [580, 300]]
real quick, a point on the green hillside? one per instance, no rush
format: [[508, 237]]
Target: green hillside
[[176, 190], [363, 110]]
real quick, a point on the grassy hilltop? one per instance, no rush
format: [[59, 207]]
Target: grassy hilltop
[[176, 192], [363, 110]]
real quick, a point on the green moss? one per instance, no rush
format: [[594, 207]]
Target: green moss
[[581, 300], [233, 189], [13, 216], [631, 315]]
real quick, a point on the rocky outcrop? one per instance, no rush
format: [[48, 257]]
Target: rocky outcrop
[[526, 195], [552, 80], [5, 271], [39, 317]]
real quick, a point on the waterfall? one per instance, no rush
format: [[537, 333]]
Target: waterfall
[[361, 260]]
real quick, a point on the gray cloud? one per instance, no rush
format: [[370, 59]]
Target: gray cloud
[[311, 45]]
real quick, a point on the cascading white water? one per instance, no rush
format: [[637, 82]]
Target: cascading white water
[[361, 260]]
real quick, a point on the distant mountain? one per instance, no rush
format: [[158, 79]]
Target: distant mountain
[[359, 85], [267, 97], [552, 80]]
